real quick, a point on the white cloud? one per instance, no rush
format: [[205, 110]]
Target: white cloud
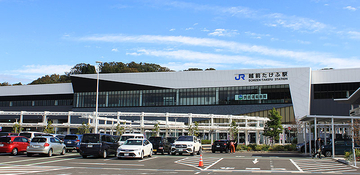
[[318, 58], [223, 32], [256, 35], [354, 34], [205, 30], [196, 24], [172, 30], [190, 28], [350, 8], [199, 57], [303, 42], [114, 50]]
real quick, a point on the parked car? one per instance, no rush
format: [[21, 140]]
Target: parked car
[[59, 136], [8, 134], [100, 145], [13, 144], [160, 145], [31, 134], [72, 142], [124, 137], [47, 145], [171, 140], [186, 144], [341, 146], [220, 145], [301, 146], [135, 148]]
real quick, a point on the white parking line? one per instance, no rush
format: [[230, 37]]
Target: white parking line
[[109, 164], [147, 159], [296, 165]]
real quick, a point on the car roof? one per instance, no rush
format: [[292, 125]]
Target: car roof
[[132, 135], [136, 139]]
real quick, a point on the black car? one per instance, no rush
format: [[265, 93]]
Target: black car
[[171, 140], [220, 145], [160, 145], [341, 146], [100, 145]]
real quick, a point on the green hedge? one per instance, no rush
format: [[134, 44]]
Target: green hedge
[[205, 141], [254, 147]]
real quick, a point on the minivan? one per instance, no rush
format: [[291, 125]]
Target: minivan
[[31, 134], [99, 145]]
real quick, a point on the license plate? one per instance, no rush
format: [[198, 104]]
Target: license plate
[[69, 142], [36, 146], [126, 154], [1, 145], [90, 146], [155, 150], [217, 145]]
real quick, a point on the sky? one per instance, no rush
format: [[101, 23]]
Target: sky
[[41, 37]]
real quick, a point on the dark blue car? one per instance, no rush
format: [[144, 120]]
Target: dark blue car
[[72, 142]]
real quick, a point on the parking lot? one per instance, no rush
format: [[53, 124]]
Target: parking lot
[[214, 163]]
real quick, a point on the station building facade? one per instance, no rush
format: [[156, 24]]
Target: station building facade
[[294, 92]]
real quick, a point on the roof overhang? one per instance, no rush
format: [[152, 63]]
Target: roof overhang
[[327, 118], [353, 99]]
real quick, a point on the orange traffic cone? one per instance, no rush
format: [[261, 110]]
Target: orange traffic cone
[[201, 163]]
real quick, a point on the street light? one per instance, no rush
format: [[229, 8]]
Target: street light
[[97, 96], [175, 127]]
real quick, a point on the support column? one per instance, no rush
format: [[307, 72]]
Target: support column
[[142, 122], [211, 128], [283, 137], [310, 139], [167, 125], [315, 133], [304, 135], [333, 137], [21, 120], [246, 133], [353, 141]]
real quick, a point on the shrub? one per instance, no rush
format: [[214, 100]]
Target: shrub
[[258, 147], [241, 147], [205, 141]]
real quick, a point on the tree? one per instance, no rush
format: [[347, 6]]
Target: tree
[[193, 69], [273, 126], [119, 129], [84, 128], [5, 84], [233, 130], [82, 68], [54, 78], [49, 128], [210, 69], [156, 129], [16, 128], [17, 84], [193, 130], [356, 129]]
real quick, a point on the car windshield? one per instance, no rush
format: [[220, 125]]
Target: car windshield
[[155, 139], [70, 137], [28, 135], [38, 140], [91, 138], [5, 139], [185, 138], [133, 142], [124, 138], [171, 140], [219, 142]]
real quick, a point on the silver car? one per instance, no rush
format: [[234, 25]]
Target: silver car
[[47, 145]]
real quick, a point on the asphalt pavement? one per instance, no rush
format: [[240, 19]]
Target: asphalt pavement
[[213, 163]]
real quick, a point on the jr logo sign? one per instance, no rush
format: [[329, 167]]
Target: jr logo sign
[[240, 76]]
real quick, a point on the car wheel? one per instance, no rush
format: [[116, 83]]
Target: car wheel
[[14, 152], [180, 154], [29, 154], [162, 152], [84, 156], [328, 153], [155, 152], [150, 153], [50, 153], [302, 149], [213, 151], [119, 157], [142, 155], [169, 152], [173, 153], [227, 150], [200, 151], [104, 154], [78, 151], [63, 151]]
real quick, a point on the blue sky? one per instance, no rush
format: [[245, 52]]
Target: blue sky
[[40, 37]]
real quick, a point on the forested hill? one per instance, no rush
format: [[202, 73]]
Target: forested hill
[[111, 67]]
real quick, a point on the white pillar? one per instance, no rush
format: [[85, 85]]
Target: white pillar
[[353, 141], [315, 133], [304, 135], [310, 139], [167, 124], [142, 122]]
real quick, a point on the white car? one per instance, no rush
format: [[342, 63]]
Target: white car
[[135, 148], [124, 137], [186, 144]]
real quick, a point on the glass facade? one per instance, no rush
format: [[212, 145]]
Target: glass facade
[[276, 94], [334, 91], [36, 103]]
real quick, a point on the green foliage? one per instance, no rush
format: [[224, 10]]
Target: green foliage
[[49, 128], [273, 127], [5, 84], [119, 67], [233, 130], [210, 69], [193, 130], [156, 130], [17, 84], [82, 68], [119, 129], [241, 147], [16, 128], [349, 155], [54, 78], [84, 128], [205, 141]]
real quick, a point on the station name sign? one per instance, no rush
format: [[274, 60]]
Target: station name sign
[[268, 76], [251, 97]]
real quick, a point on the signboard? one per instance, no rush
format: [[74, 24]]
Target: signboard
[[251, 97], [289, 128], [265, 76]]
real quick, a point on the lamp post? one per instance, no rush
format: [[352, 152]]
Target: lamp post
[[97, 96], [175, 127]]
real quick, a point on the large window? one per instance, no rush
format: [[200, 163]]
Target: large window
[[334, 91], [275, 94]]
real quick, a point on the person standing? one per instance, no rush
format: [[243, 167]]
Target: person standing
[[318, 147], [232, 147]]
